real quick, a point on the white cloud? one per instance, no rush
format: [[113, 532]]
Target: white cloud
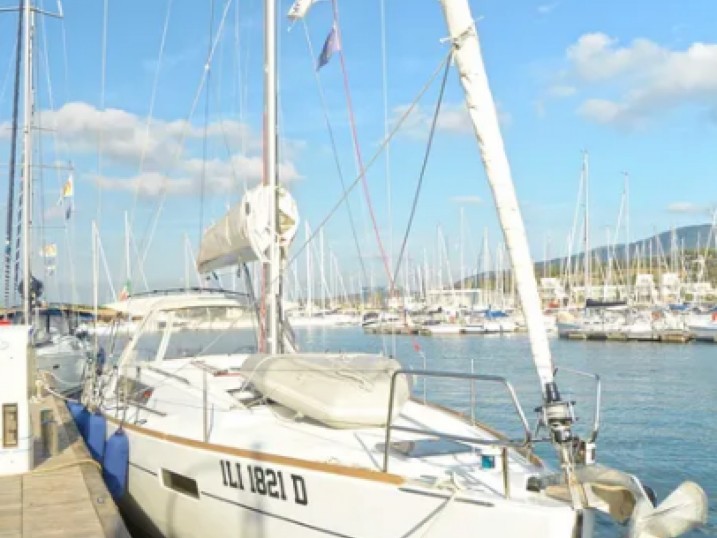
[[221, 176], [544, 9], [687, 208], [466, 199], [647, 78], [163, 153]]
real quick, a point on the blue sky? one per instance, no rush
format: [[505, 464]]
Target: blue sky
[[634, 83]]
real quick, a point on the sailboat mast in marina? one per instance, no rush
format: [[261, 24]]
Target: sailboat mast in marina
[[223, 439]]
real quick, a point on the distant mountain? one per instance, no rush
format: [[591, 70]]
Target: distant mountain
[[685, 237]]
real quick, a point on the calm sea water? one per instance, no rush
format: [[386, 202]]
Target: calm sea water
[[659, 409]]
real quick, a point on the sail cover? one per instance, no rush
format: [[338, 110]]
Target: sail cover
[[244, 233]]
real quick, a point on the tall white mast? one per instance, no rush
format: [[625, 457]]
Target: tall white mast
[[481, 107], [586, 230], [128, 264], [309, 309], [628, 280], [273, 271], [29, 23]]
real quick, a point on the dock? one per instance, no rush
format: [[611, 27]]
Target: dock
[[64, 496]]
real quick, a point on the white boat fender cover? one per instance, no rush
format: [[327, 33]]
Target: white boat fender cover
[[623, 497]]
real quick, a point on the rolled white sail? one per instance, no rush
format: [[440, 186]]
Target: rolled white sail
[[481, 107], [244, 233]]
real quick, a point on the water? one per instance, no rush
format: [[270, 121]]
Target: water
[[659, 400]]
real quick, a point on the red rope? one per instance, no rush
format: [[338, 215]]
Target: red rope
[[357, 149], [359, 159]]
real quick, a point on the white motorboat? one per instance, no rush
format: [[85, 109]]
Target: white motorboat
[[703, 328]]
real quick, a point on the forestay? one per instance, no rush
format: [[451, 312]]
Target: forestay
[[244, 234]]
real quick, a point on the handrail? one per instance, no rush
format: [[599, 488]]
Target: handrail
[[454, 375]]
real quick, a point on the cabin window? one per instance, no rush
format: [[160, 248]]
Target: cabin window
[[147, 346], [200, 332], [180, 483]]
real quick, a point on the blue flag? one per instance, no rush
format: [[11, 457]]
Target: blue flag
[[331, 45]]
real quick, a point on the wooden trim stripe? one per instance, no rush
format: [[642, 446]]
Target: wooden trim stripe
[[331, 468]]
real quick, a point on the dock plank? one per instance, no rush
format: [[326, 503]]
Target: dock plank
[[64, 496]]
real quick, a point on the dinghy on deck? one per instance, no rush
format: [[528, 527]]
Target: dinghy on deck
[[339, 390]]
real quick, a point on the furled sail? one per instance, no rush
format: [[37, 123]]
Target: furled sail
[[244, 233]]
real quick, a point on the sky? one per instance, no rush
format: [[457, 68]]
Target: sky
[[123, 94]]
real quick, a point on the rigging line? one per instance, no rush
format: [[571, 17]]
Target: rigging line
[[64, 55], [208, 69], [424, 165], [41, 171], [220, 104], [152, 226], [13, 153], [357, 149], [103, 83], [375, 156], [334, 150], [152, 101], [8, 71], [56, 146], [387, 157]]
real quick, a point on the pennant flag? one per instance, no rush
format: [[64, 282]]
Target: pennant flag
[[51, 269], [331, 45], [298, 9], [124, 293], [49, 251], [68, 209], [68, 190]]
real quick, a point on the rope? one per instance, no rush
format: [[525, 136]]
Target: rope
[[152, 102], [357, 149], [148, 235], [103, 84], [334, 151], [431, 134], [57, 394], [207, 67], [452, 484], [58, 148], [373, 158]]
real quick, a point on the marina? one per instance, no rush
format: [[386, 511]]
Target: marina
[[239, 371]]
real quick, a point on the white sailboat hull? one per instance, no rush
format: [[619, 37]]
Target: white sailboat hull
[[316, 499]]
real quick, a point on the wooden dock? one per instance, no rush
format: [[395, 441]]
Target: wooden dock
[[64, 496]]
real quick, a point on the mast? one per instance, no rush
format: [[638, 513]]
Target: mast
[[128, 264], [627, 233], [480, 104], [586, 230], [272, 270], [13, 154], [28, 21]]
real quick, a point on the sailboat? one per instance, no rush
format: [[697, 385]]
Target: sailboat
[[61, 356], [223, 439]]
